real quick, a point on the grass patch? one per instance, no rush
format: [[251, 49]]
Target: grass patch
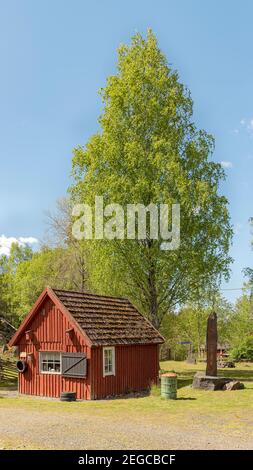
[[189, 400], [185, 372]]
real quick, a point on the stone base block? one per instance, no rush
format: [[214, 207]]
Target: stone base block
[[206, 382]]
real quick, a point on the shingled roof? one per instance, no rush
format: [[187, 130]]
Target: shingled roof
[[108, 320]]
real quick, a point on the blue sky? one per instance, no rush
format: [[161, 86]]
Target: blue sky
[[55, 55]]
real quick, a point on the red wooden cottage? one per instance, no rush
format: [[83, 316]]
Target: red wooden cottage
[[93, 345]]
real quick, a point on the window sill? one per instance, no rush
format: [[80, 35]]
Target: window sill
[[108, 374], [49, 373]]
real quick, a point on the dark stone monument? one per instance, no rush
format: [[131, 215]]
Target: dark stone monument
[[211, 345], [209, 380]]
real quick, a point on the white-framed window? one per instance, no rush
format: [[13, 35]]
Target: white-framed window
[[50, 362], [108, 361]]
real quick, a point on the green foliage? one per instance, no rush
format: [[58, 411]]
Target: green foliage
[[244, 350], [242, 324], [8, 270], [150, 151], [155, 390], [189, 324], [248, 272], [49, 267], [25, 274]]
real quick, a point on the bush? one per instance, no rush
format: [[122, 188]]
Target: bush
[[180, 352], [155, 390], [244, 350]]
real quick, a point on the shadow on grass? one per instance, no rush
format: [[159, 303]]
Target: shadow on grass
[[186, 399], [183, 381], [237, 374]]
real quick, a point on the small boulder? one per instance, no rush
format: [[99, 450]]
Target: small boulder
[[234, 385]]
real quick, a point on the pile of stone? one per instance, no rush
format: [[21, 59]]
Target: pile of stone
[[234, 385], [227, 364], [206, 382]]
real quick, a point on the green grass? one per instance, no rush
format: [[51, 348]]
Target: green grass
[[189, 400], [243, 371]]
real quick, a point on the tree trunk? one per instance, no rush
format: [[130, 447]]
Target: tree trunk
[[153, 303]]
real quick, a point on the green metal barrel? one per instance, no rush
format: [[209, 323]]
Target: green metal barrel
[[169, 386]]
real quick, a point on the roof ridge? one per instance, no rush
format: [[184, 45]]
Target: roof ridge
[[90, 293]]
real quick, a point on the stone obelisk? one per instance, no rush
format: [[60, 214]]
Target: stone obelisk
[[211, 345]]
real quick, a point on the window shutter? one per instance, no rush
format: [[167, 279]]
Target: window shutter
[[74, 365]]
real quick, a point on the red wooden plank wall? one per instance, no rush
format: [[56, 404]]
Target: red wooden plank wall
[[137, 367], [49, 335]]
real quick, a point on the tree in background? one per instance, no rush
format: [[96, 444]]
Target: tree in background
[[242, 338], [24, 274], [243, 351], [243, 319], [8, 269], [47, 267], [189, 323], [248, 272], [59, 234], [150, 151]]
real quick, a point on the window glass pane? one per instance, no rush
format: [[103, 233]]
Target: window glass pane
[[57, 367], [50, 362], [108, 361]]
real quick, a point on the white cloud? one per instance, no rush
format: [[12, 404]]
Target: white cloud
[[237, 228], [29, 240], [226, 164], [247, 124], [250, 125], [6, 242]]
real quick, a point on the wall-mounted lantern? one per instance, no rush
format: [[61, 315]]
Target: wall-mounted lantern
[[70, 333], [43, 312], [29, 335], [30, 357]]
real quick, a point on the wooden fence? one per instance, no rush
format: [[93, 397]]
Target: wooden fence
[[8, 373]]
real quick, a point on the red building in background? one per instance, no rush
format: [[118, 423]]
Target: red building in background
[[96, 346]]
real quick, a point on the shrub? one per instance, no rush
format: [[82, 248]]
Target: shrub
[[244, 350], [155, 390]]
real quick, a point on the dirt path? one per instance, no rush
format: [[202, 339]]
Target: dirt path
[[59, 429]]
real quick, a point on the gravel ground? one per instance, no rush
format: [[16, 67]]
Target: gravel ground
[[24, 428]]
